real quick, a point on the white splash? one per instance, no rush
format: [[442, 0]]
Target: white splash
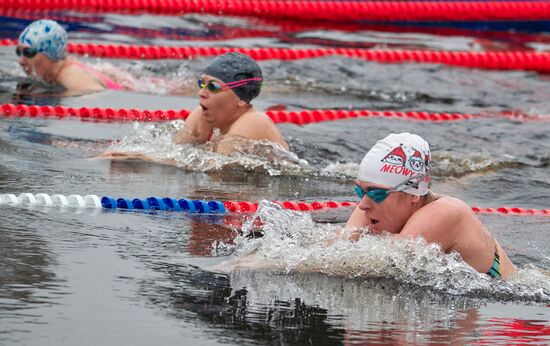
[[156, 141], [293, 243]]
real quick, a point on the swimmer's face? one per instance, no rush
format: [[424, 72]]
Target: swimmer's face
[[39, 66], [218, 107], [391, 214]]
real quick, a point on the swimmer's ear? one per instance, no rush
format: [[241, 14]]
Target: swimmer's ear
[[242, 103]]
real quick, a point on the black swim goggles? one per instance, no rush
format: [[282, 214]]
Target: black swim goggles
[[379, 194], [215, 86], [27, 52]]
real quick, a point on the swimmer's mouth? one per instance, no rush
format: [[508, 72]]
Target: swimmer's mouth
[[203, 107], [373, 221]]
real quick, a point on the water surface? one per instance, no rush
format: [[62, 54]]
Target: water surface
[[135, 278]]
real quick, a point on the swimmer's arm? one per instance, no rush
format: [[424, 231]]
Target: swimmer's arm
[[196, 129], [354, 228], [132, 156]]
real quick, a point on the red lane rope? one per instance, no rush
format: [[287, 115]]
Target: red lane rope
[[250, 207], [322, 10], [508, 60], [84, 113], [298, 118], [280, 28], [295, 117], [511, 211]]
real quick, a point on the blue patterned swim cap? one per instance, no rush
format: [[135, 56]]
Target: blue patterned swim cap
[[45, 36]]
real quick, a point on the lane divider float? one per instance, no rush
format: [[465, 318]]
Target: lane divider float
[[440, 10], [199, 206], [502, 60], [296, 117], [156, 203], [275, 28], [45, 200]]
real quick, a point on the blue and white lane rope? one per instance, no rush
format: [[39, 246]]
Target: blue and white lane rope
[[93, 201]]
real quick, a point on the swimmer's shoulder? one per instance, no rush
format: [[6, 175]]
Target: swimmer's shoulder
[[444, 202], [440, 221], [451, 203], [257, 125], [252, 124], [76, 78], [257, 117], [441, 207]]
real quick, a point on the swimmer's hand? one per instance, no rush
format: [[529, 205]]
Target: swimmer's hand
[[351, 234], [118, 155]]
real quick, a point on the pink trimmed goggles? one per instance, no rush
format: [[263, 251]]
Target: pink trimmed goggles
[[216, 87]]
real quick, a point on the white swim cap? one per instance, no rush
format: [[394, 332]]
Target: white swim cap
[[397, 159]]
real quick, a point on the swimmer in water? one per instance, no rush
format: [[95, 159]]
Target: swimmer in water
[[42, 52], [392, 184], [226, 90]]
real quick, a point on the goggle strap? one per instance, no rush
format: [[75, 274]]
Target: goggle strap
[[416, 179], [242, 82]]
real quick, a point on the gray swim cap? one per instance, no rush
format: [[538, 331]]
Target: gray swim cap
[[233, 67]]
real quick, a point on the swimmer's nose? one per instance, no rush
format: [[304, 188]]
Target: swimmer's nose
[[203, 93], [365, 203]]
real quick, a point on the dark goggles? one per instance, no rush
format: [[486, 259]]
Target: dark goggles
[[379, 194], [215, 86], [27, 52]]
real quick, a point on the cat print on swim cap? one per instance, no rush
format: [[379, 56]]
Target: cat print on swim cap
[[233, 67], [397, 159], [47, 37]]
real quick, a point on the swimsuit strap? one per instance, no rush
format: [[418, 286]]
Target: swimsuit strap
[[494, 271]]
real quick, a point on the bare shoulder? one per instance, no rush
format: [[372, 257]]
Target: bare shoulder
[[443, 210], [75, 78], [255, 118], [257, 126], [447, 204], [437, 221]]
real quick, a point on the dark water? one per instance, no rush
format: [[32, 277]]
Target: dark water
[[94, 277]]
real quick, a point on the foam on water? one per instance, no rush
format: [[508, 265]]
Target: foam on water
[[158, 79], [156, 141], [458, 164], [293, 242]]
